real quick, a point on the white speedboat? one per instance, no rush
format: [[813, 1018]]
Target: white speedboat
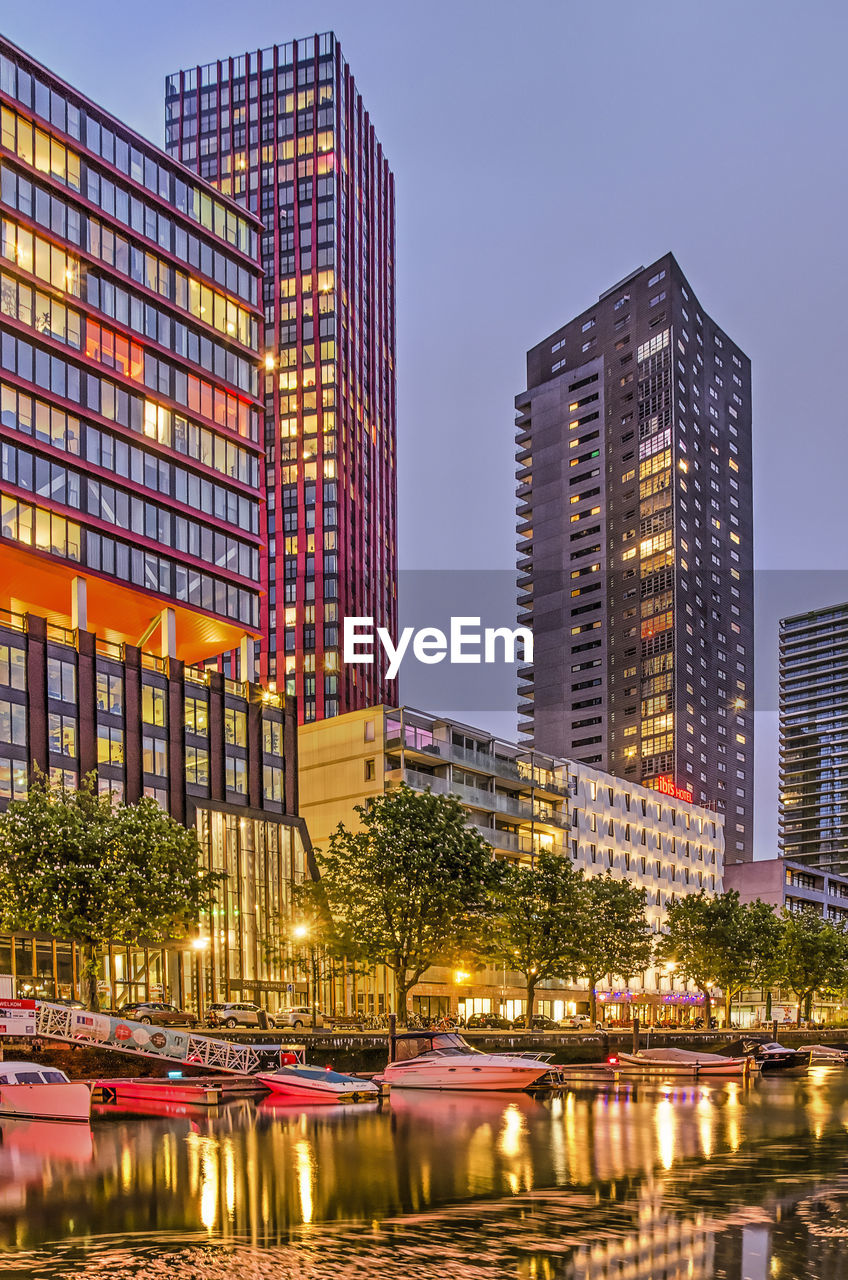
[[688, 1062], [443, 1060], [300, 1083], [42, 1093]]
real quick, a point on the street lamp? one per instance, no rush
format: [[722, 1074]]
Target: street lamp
[[198, 945], [670, 969], [302, 931]]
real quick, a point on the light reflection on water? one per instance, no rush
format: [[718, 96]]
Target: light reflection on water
[[643, 1180]]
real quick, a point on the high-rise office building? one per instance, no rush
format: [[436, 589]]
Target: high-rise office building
[[129, 413], [131, 490], [813, 824], [284, 131], [635, 546]]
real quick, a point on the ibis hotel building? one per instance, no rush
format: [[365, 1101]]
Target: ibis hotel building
[[523, 802], [635, 545], [285, 132], [132, 519]]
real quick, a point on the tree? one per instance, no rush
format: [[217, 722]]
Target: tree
[[614, 936], [408, 890], [73, 866], [535, 921], [746, 938], [812, 955], [720, 941]]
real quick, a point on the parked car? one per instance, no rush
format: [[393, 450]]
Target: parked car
[[541, 1022], [64, 1001], [577, 1020], [300, 1016], [237, 1014], [157, 1013], [488, 1022]]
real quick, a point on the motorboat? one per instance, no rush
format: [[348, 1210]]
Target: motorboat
[[301, 1083], [771, 1057], [688, 1062], [42, 1093], [444, 1060], [827, 1055]]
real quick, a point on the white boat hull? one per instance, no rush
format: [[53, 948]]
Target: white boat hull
[[313, 1085], [71, 1101], [491, 1072], [628, 1062]]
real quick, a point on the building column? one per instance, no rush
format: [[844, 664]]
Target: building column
[[168, 620], [79, 604], [247, 656]]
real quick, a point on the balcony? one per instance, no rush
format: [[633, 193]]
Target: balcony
[[478, 798]]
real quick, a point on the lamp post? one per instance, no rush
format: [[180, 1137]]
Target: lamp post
[[670, 970], [303, 931], [199, 945]]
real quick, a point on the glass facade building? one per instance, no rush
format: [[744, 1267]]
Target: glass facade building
[[284, 131], [813, 821], [132, 521], [131, 430], [635, 546]]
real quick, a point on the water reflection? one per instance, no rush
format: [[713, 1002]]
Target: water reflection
[[636, 1181]]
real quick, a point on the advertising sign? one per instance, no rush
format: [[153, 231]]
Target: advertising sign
[[121, 1033], [17, 1018]]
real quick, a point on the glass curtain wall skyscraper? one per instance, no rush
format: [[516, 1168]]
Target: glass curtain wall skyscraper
[[285, 132], [635, 546], [130, 414]]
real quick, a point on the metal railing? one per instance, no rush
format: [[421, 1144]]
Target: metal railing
[[57, 1022]]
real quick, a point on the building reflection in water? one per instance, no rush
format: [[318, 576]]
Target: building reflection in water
[[592, 1183]]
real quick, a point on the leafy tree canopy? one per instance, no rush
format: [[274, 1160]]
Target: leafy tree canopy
[[410, 888], [614, 936], [720, 941], [535, 922], [812, 956], [73, 866]]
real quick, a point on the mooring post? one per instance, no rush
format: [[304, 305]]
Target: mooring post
[[774, 1030], [392, 1035], [635, 1035]]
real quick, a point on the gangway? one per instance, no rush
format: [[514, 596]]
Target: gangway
[[105, 1031]]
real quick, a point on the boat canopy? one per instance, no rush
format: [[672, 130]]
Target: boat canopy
[[412, 1044]]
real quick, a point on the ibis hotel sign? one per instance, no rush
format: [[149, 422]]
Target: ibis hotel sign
[[669, 787]]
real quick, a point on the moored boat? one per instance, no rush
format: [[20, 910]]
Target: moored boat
[[443, 1060], [770, 1057], [689, 1062], [827, 1055], [300, 1083], [28, 1089]]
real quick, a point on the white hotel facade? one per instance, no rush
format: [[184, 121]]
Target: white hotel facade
[[522, 802]]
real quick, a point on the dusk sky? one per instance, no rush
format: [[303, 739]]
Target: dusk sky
[[541, 152]]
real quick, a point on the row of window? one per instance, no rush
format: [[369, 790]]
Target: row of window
[[52, 373], [54, 426], [104, 502], [201, 206], [46, 262], [64, 221]]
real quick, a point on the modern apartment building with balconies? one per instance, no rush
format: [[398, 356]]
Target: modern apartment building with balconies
[[635, 551], [813, 819]]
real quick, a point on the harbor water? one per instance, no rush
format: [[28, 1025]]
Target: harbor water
[[638, 1181]]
